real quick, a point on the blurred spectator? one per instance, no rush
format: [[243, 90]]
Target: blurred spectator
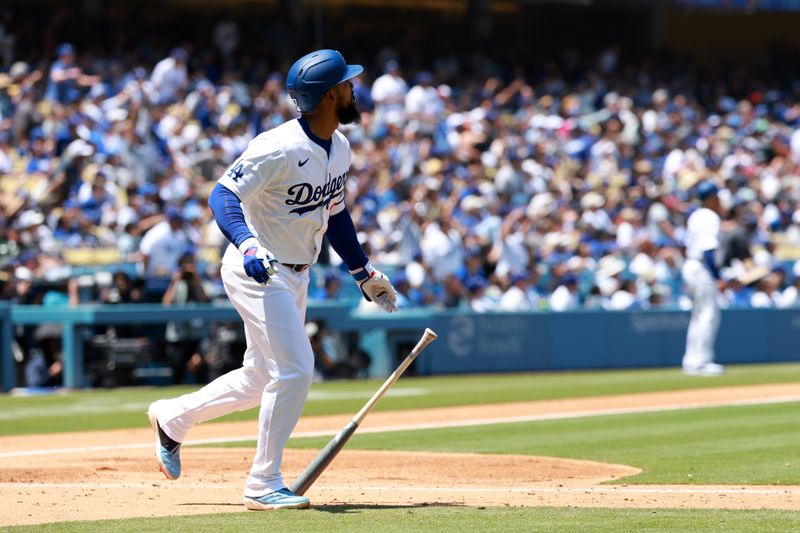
[[164, 244], [423, 106], [790, 297], [565, 297], [519, 296], [43, 367], [330, 288], [9, 247], [767, 291], [226, 36], [477, 298], [389, 96], [454, 294], [333, 362], [185, 339], [442, 248], [122, 291], [170, 76], [66, 79], [407, 296], [625, 297], [511, 251]]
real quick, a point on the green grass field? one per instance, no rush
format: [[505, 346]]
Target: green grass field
[[754, 444], [124, 408], [749, 444], [345, 518]]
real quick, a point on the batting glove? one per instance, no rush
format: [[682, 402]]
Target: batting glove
[[258, 264], [376, 287]]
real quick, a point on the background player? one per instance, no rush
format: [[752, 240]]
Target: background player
[[275, 204], [702, 278]]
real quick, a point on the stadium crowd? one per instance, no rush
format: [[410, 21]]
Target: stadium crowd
[[477, 184]]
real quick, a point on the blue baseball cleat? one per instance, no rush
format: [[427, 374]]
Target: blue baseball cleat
[[167, 450], [280, 499]]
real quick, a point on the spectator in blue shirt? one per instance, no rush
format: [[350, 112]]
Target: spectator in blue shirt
[[66, 79]]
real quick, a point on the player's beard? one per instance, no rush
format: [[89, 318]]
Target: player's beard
[[349, 114]]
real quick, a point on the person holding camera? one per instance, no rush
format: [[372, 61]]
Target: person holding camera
[[184, 339]]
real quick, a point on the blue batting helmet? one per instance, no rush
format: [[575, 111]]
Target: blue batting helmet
[[706, 189], [315, 73]]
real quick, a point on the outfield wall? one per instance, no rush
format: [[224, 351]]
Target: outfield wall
[[598, 339], [468, 342]]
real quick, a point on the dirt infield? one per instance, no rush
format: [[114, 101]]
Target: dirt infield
[[112, 474]]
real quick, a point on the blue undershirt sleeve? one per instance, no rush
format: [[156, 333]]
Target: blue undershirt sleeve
[[228, 213], [708, 259], [341, 234]]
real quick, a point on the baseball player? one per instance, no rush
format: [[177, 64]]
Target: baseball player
[[702, 278], [274, 204]]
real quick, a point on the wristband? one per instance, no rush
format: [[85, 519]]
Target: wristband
[[250, 242], [365, 272]]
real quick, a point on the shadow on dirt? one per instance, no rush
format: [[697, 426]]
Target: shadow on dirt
[[356, 508]]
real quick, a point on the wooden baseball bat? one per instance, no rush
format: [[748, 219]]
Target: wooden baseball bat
[[324, 457]]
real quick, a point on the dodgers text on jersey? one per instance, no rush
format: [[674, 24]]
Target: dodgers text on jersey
[[310, 198]]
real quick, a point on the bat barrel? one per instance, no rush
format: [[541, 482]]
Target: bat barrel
[[323, 459]]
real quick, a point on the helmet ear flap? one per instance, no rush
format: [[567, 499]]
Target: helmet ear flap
[[296, 104]]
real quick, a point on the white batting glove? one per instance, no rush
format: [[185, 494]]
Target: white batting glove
[[376, 287]]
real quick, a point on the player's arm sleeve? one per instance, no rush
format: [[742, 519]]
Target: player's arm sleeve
[[341, 234], [229, 216], [711, 264], [709, 244]]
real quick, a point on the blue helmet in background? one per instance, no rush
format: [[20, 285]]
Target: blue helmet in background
[[315, 73], [706, 189]]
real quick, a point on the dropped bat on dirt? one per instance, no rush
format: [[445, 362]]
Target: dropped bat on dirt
[[324, 457]]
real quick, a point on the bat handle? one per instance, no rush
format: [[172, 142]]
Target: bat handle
[[324, 458], [428, 337]]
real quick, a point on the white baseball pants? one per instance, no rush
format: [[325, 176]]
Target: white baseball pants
[[704, 322], [276, 372]]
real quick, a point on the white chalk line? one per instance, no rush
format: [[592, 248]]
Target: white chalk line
[[484, 490], [427, 425]]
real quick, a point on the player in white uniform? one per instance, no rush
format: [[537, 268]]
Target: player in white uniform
[[701, 275], [275, 203]]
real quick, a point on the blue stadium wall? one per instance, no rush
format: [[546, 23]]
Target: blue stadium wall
[[596, 339], [477, 343]]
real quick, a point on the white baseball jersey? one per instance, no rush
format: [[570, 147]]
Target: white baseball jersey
[[288, 187], [702, 233]]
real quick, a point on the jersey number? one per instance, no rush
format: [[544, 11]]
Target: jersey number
[[236, 171]]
